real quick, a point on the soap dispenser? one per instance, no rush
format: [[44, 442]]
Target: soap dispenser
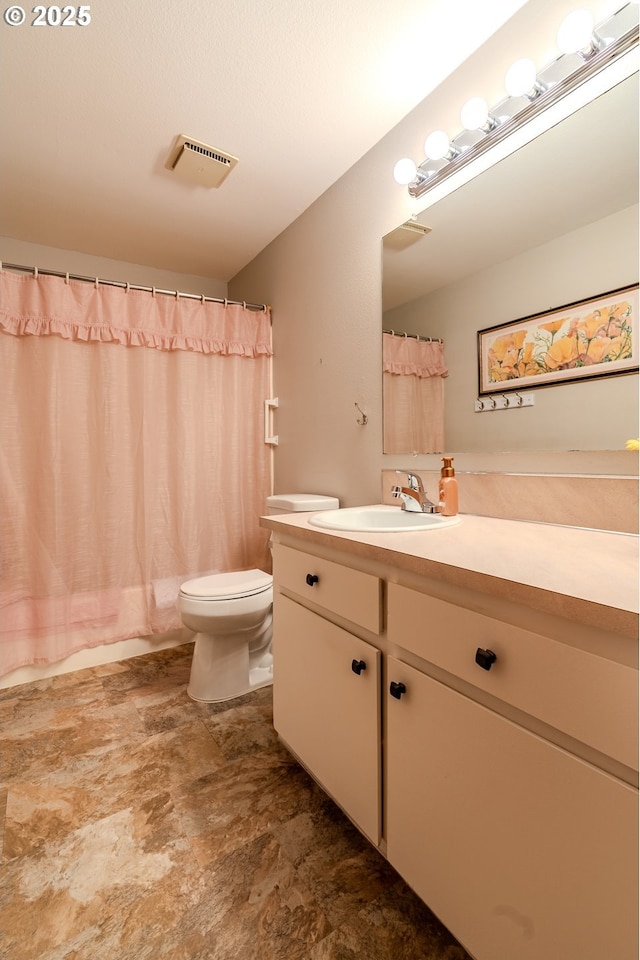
[[448, 489]]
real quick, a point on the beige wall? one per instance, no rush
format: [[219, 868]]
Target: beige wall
[[605, 252], [323, 277], [86, 265]]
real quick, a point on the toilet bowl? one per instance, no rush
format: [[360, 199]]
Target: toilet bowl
[[231, 616]]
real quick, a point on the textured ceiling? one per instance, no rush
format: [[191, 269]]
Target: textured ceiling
[[298, 90]]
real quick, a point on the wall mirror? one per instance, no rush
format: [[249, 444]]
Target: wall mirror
[[552, 224]]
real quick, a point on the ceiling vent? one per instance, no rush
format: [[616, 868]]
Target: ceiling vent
[[406, 234], [199, 163]]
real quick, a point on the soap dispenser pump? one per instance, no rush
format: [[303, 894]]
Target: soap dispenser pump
[[448, 489]]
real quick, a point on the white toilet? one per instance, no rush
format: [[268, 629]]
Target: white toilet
[[230, 613]]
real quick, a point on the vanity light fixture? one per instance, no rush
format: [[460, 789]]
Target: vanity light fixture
[[585, 51], [520, 80], [576, 34], [475, 115], [437, 146]]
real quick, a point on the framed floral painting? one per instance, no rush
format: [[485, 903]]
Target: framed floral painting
[[578, 341]]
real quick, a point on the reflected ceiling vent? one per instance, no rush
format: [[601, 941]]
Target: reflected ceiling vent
[[405, 235], [199, 163]]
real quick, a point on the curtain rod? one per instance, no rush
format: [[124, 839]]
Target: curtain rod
[[131, 286], [413, 336]]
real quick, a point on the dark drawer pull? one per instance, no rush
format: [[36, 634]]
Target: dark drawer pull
[[485, 658], [397, 689], [311, 579], [358, 666]]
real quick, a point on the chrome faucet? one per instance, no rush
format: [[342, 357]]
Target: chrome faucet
[[413, 497]]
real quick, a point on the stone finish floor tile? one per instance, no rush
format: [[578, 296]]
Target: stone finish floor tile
[[138, 824]]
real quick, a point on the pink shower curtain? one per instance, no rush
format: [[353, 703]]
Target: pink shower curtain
[[413, 392], [132, 458]]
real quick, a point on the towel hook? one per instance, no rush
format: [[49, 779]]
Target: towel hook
[[363, 419]]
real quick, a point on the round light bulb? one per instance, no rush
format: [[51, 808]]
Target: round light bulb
[[404, 170], [474, 113], [576, 31], [437, 145], [520, 78]]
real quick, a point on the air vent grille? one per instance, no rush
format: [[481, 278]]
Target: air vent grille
[[199, 163], [219, 157]]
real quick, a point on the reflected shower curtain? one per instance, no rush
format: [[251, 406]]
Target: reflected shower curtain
[[413, 392], [132, 458]]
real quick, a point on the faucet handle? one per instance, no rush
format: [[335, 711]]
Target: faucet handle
[[414, 481]]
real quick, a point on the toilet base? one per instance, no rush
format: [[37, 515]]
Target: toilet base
[[222, 669]]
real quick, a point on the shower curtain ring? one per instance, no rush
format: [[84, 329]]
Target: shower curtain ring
[[35, 273]]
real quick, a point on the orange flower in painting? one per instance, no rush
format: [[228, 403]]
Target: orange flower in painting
[[554, 325], [562, 353], [598, 349], [503, 345], [527, 367], [591, 324]]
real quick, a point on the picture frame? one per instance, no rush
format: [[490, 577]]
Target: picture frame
[[595, 337]]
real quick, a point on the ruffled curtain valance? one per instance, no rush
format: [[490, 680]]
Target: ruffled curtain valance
[[406, 356], [76, 310]]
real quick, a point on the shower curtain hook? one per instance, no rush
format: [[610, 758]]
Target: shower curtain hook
[[35, 273], [225, 303], [244, 304], [66, 277], [127, 288], [97, 283], [202, 299], [153, 291]]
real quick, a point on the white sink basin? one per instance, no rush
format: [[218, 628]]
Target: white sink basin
[[380, 518]]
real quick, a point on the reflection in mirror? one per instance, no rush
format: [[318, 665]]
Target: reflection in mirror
[[554, 223]]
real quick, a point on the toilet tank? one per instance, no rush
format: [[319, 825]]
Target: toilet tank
[[300, 503]]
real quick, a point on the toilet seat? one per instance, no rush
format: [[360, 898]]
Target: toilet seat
[[227, 586]]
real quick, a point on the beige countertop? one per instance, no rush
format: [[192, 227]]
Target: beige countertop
[[587, 576]]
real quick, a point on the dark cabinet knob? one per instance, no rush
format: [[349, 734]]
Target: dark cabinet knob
[[358, 666], [311, 579], [485, 658], [397, 689]]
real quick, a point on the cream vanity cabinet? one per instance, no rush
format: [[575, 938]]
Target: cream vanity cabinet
[[326, 701], [507, 761]]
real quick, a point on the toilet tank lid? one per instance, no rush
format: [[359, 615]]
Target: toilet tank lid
[[300, 502], [238, 583]]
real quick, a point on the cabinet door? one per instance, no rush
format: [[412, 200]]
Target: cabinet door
[[524, 851], [326, 708]]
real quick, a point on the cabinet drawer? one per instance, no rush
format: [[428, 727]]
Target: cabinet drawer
[[351, 594], [326, 707], [587, 697]]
